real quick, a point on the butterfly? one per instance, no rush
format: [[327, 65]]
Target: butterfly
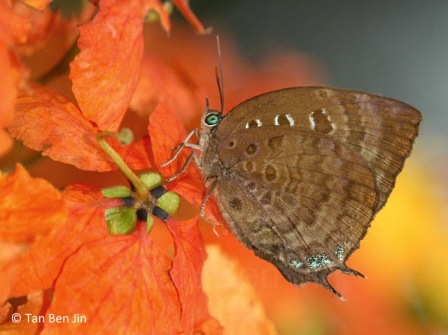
[[300, 173]]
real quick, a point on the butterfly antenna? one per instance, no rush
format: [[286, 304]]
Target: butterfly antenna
[[219, 75]]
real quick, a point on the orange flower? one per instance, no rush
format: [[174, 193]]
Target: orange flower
[[121, 282], [49, 122], [144, 287]]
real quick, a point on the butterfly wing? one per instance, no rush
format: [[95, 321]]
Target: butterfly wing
[[304, 172], [300, 201], [380, 130]]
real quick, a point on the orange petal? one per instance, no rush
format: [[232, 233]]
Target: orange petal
[[39, 267], [184, 8], [29, 207], [160, 81], [120, 283], [31, 28], [10, 70], [136, 155], [167, 132], [44, 54], [186, 275], [232, 298], [37, 4], [49, 122], [105, 73]]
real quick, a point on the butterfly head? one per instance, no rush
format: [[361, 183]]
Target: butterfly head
[[210, 119]]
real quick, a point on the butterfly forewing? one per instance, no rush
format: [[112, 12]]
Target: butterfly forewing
[[381, 130], [301, 172]]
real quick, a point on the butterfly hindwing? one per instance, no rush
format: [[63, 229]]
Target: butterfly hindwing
[[297, 199]]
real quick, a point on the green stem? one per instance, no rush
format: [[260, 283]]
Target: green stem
[[140, 188]]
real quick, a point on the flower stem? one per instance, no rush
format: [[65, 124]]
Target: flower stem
[[125, 137]]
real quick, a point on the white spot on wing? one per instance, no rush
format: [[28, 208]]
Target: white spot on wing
[[276, 120], [333, 125], [257, 121], [312, 121], [290, 119]]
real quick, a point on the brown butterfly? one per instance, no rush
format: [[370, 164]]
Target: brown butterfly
[[300, 173]]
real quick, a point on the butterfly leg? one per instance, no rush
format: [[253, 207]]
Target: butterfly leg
[[191, 156], [184, 144], [207, 196], [350, 271]]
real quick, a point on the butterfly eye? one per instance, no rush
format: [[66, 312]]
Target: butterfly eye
[[212, 119]]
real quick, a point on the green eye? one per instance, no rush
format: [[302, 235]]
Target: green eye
[[212, 119]]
